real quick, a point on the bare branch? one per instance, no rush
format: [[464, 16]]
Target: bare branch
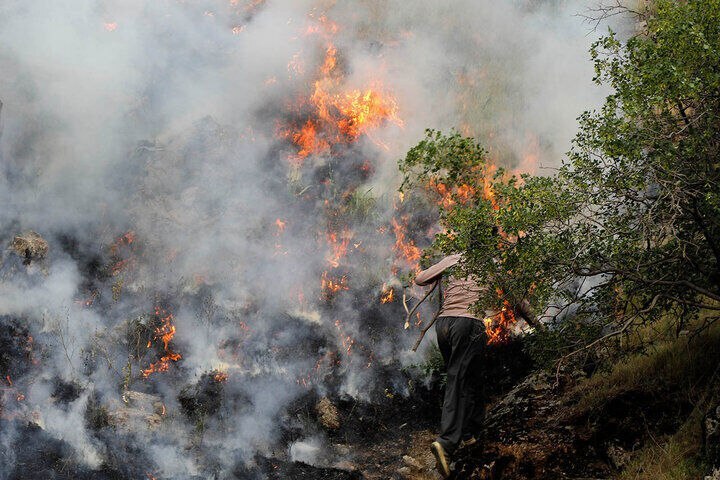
[[604, 338], [411, 312]]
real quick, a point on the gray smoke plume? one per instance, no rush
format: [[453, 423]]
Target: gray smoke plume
[[147, 142]]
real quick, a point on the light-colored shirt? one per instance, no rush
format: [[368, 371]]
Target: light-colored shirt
[[459, 294]]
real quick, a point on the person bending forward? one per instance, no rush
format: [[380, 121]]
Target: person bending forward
[[461, 339]]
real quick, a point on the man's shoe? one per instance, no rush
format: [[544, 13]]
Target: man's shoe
[[441, 460]]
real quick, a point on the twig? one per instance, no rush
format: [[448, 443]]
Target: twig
[[404, 302], [432, 321], [411, 312], [615, 333], [424, 331]]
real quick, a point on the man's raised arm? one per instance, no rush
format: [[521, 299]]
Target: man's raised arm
[[426, 277]]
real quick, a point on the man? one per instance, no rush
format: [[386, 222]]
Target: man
[[461, 338]]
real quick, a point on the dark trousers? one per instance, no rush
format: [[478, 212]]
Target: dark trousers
[[462, 341]]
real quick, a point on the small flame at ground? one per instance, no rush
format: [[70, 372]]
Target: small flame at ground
[[499, 326], [387, 295], [165, 333], [329, 286], [338, 247]]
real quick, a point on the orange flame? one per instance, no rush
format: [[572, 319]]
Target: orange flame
[[364, 111], [498, 328], [450, 196], [346, 340], [280, 224], [332, 114], [307, 139], [488, 191], [330, 60], [330, 286], [338, 247], [405, 247], [164, 333], [387, 295], [125, 239]]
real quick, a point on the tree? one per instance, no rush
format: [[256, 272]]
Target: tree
[[628, 230]]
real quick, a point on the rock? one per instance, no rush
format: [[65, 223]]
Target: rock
[[411, 462], [712, 437], [618, 456], [345, 465], [327, 414], [127, 417], [341, 449], [134, 398], [404, 472], [31, 246], [715, 475], [137, 407]]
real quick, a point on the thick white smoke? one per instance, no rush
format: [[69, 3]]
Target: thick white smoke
[[164, 118]]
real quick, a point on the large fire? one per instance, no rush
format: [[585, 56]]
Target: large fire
[[334, 114]]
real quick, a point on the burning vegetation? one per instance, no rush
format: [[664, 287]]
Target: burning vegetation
[[331, 116], [184, 351], [229, 301]]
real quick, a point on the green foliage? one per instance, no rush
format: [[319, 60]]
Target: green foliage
[[629, 228], [361, 205], [450, 158], [432, 369]]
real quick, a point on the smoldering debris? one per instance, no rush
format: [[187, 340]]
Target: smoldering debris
[[274, 469], [203, 398]]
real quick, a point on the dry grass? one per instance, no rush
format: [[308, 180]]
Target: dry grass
[[671, 458], [667, 361], [673, 370]]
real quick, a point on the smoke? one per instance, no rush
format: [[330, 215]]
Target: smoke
[[167, 119]]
